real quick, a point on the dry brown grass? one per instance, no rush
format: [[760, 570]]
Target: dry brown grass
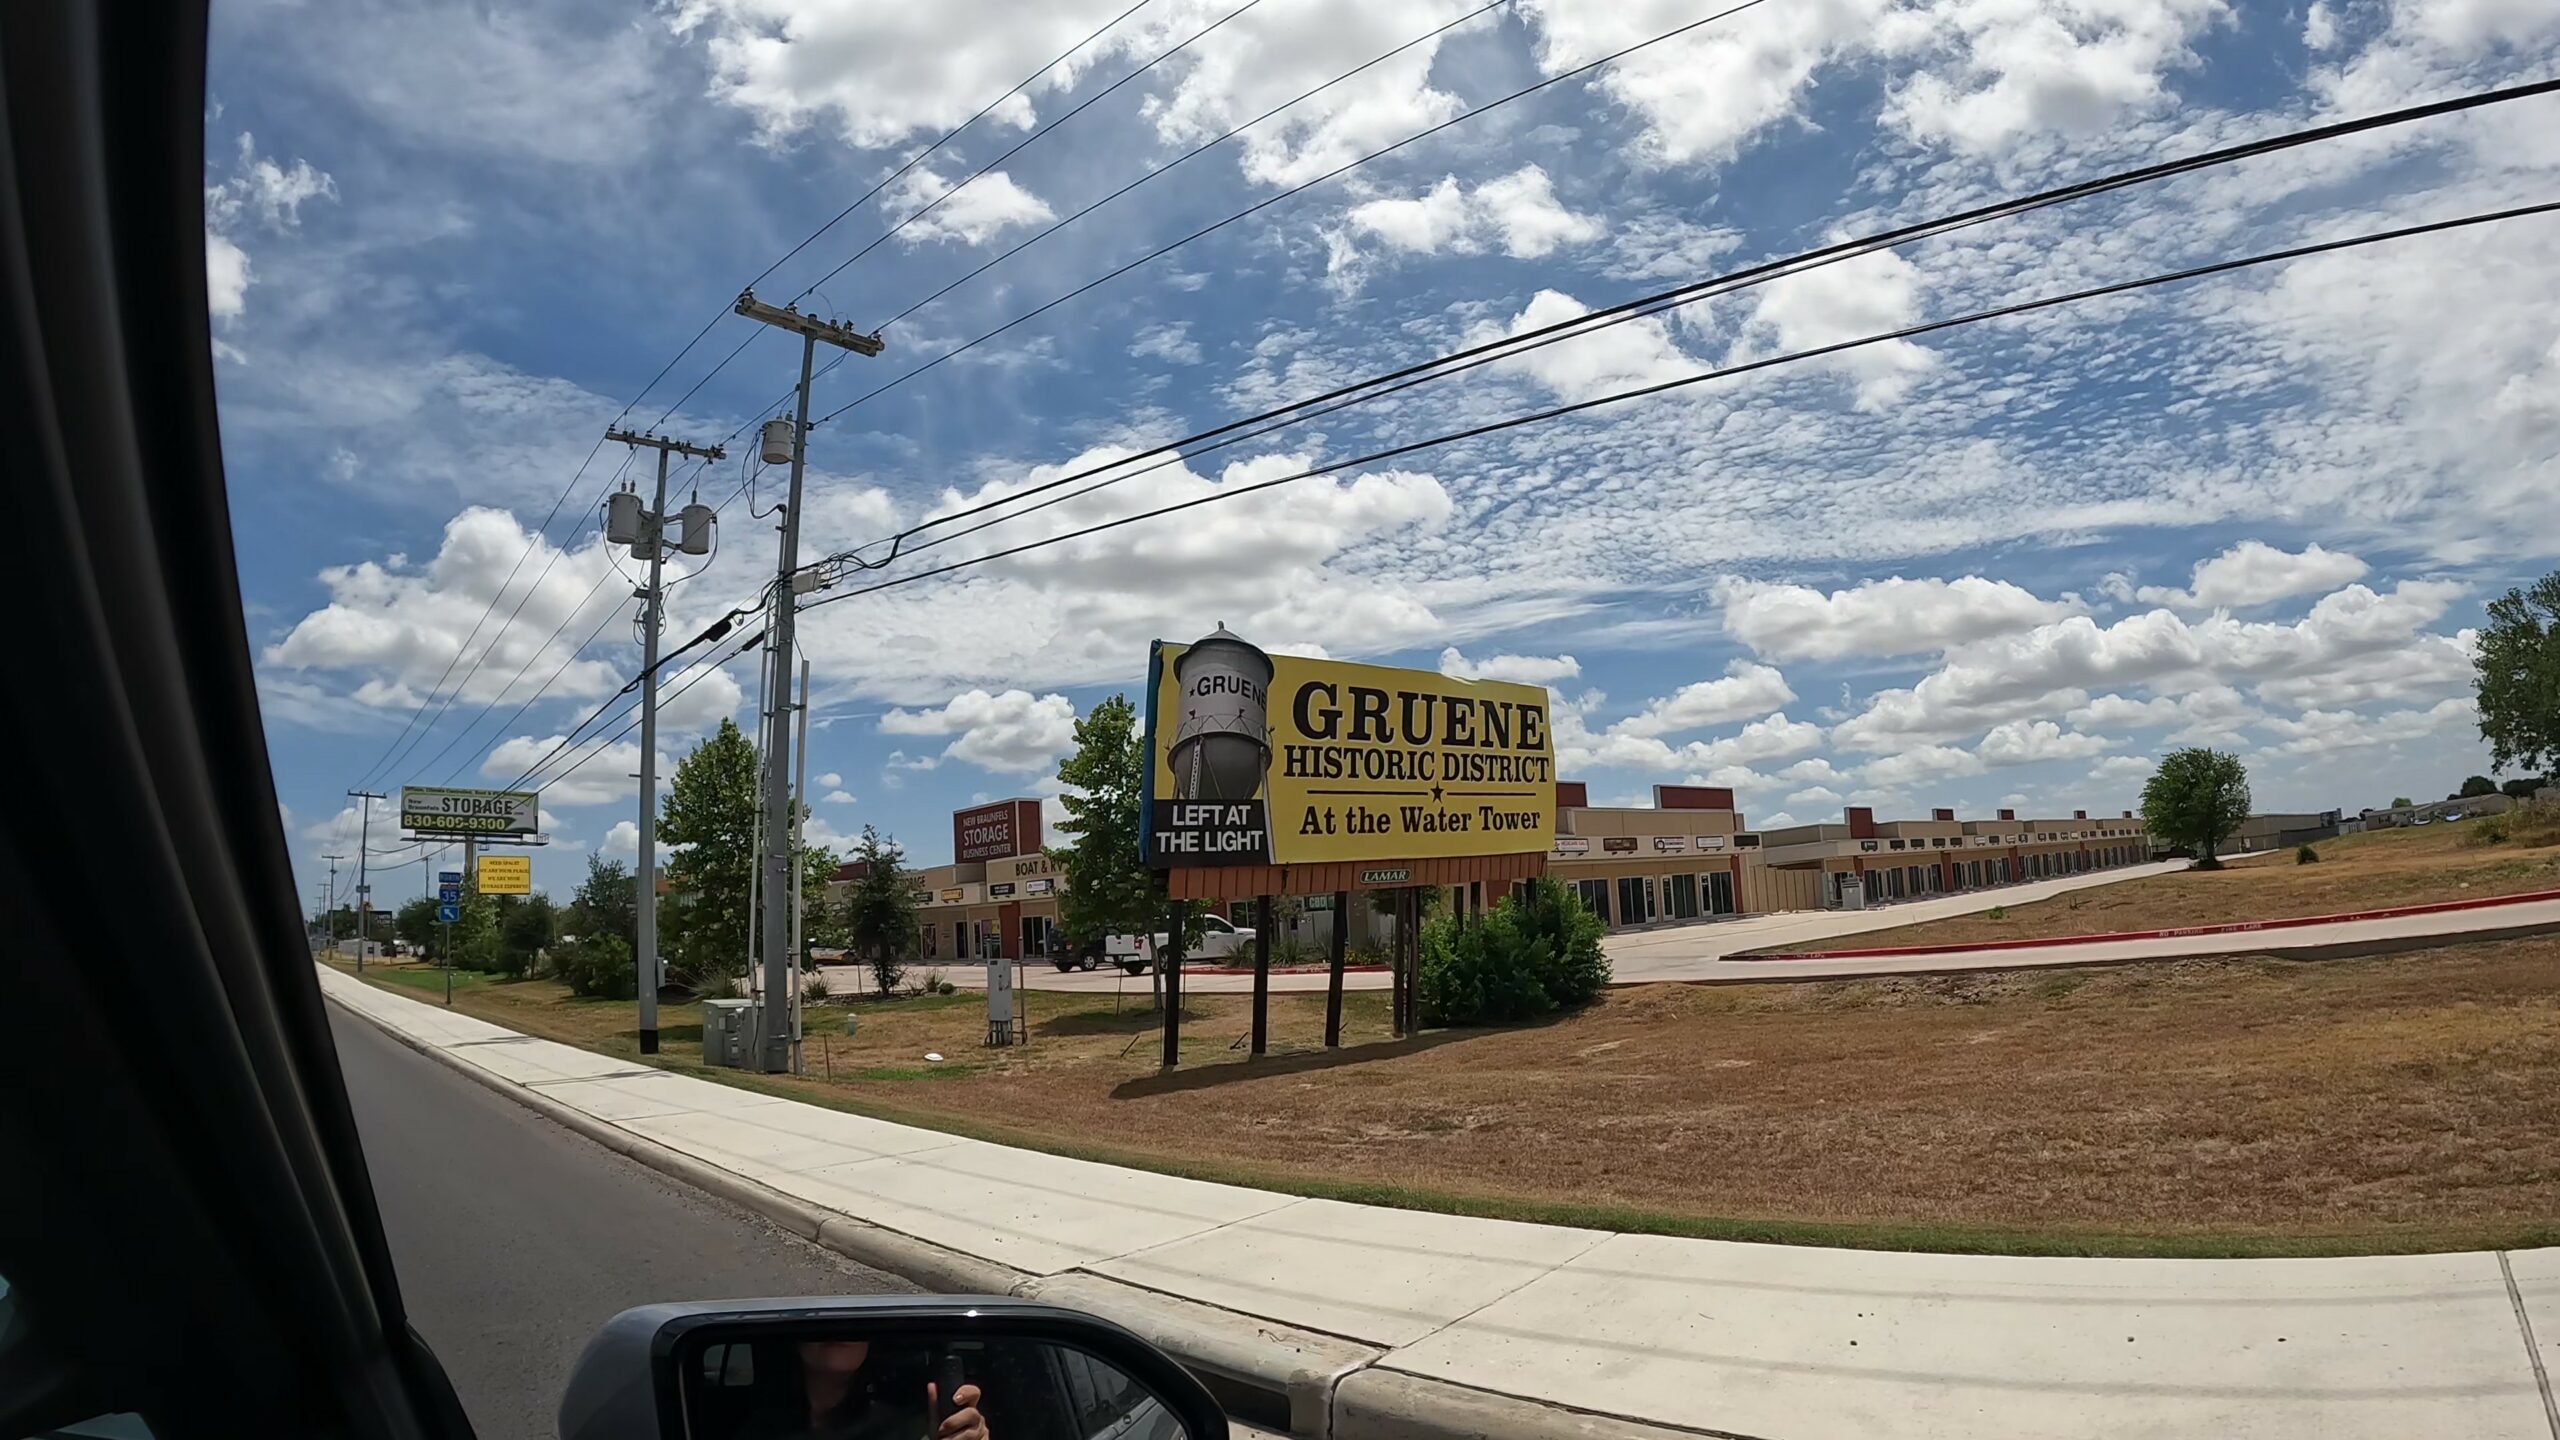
[[2356, 872], [2248, 1105]]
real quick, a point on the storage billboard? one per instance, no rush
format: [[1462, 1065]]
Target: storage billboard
[[1258, 759], [427, 810]]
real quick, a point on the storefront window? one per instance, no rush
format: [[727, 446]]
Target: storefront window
[[1635, 900], [1595, 897], [1037, 932], [1680, 896], [1719, 893]]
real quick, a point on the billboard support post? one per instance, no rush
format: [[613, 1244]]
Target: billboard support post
[[1261, 974], [1169, 959], [1333, 981]]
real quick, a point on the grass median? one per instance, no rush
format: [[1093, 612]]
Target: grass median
[[2242, 1106], [2355, 872]]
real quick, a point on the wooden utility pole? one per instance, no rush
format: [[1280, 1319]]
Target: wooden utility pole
[[653, 537], [773, 1049]]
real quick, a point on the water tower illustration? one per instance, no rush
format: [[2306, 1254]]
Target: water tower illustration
[[1222, 742]]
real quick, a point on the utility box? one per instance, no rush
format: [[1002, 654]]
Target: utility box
[[1853, 892], [728, 1032]]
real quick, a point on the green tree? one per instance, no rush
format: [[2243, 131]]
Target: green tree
[[416, 923], [525, 929], [2401, 802], [476, 942], [2523, 787], [2516, 673], [599, 964], [878, 918], [607, 902], [2475, 785], [820, 923], [1108, 890], [708, 823], [2196, 799]]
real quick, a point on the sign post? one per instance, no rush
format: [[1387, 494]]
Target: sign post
[[448, 910]]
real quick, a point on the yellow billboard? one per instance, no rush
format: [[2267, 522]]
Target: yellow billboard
[[506, 874], [1259, 759]]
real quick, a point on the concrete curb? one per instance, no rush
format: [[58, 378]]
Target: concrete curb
[[1377, 1404], [1271, 1373], [2238, 927]]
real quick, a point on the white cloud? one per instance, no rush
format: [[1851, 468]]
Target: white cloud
[[829, 781], [2120, 769], [1820, 797], [393, 629], [258, 192], [1517, 214], [1770, 738], [1701, 96], [2013, 70], [1875, 617], [2253, 573], [2052, 668], [1918, 765], [836, 797], [1271, 54], [1524, 669], [2031, 742], [2323, 732], [1595, 362], [2319, 27], [1847, 301], [601, 777], [1288, 566], [2214, 712], [1169, 342], [622, 839], [980, 210], [1015, 730], [226, 276], [1745, 689], [1778, 821]]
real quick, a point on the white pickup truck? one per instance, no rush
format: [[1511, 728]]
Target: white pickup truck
[[1219, 941]]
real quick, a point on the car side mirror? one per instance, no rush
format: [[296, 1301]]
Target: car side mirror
[[882, 1367]]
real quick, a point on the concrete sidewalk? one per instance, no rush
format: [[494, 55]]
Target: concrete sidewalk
[[1374, 1324]]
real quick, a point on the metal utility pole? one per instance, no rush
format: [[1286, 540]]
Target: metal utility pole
[[364, 853], [774, 1044], [799, 818], [645, 532]]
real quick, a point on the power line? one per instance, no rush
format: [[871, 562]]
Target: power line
[[664, 370], [1168, 167], [1510, 346], [1816, 352], [1019, 145], [1264, 204], [693, 676]]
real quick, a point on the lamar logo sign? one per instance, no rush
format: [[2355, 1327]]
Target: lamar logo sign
[[1258, 759]]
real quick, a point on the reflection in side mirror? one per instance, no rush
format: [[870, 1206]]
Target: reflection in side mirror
[[879, 1368]]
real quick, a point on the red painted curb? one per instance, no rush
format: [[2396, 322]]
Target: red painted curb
[[1247, 970], [2235, 928]]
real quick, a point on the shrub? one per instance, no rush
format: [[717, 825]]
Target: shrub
[[2306, 856], [600, 967], [1363, 954], [1996, 912], [1487, 974], [814, 990], [1577, 969], [1526, 958], [945, 987]]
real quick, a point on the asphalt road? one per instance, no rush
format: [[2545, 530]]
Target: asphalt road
[[515, 1239]]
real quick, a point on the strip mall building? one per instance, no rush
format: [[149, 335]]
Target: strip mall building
[[1688, 856]]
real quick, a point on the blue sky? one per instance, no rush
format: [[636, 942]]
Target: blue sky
[[2004, 565]]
